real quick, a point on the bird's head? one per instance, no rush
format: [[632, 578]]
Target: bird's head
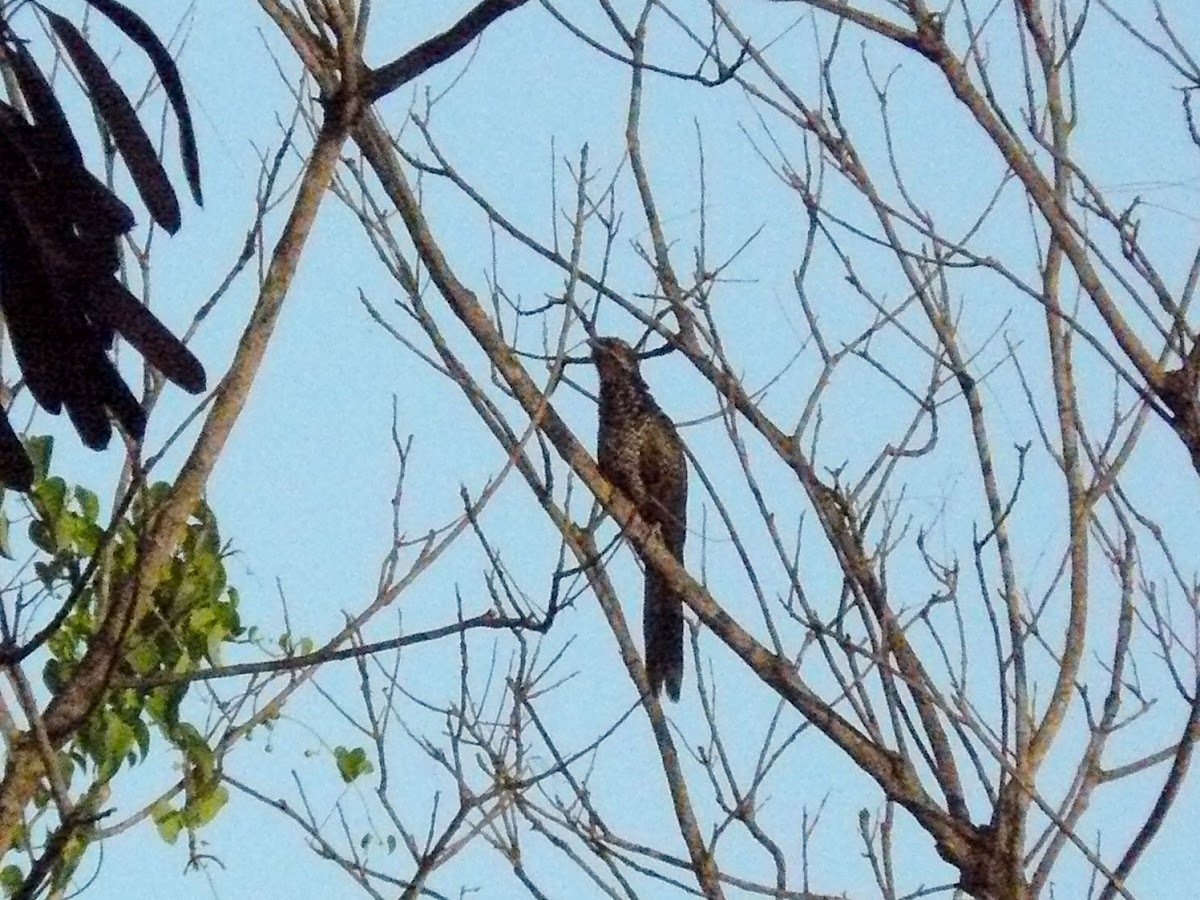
[[613, 357]]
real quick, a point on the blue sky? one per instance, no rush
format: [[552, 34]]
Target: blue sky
[[303, 491]]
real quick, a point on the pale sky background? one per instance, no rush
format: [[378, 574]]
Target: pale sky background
[[303, 490]]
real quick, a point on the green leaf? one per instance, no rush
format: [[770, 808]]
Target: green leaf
[[163, 705], [66, 767], [42, 536], [204, 809], [87, 539], [352, 764], [68, 862], [202, 619], [168, 821], [11, 880], [21, 837], [40, 449], [54, 676], [215, 638], [70, 531], [142, 733], [49, 497], [119, 740], [5, 547], [198, 753], [88, 502], [143, 658]]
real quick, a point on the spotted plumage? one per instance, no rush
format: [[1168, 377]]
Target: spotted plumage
[[641, 453]]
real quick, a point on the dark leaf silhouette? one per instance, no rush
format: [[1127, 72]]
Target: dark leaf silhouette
[[136, 29], [44, 106], [60, 230], [110, 304], [118, 113], [59, 151], [17, 469]]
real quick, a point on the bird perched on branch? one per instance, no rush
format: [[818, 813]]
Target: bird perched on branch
[[642, 455]]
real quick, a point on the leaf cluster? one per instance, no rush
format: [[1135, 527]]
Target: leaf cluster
[[60, 231], [192, 616]]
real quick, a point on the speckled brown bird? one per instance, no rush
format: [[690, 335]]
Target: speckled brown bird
[[641, 453]]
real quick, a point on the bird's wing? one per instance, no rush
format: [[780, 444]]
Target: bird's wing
[[663, 470]]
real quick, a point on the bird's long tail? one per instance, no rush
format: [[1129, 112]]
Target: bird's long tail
[[662, 628]]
